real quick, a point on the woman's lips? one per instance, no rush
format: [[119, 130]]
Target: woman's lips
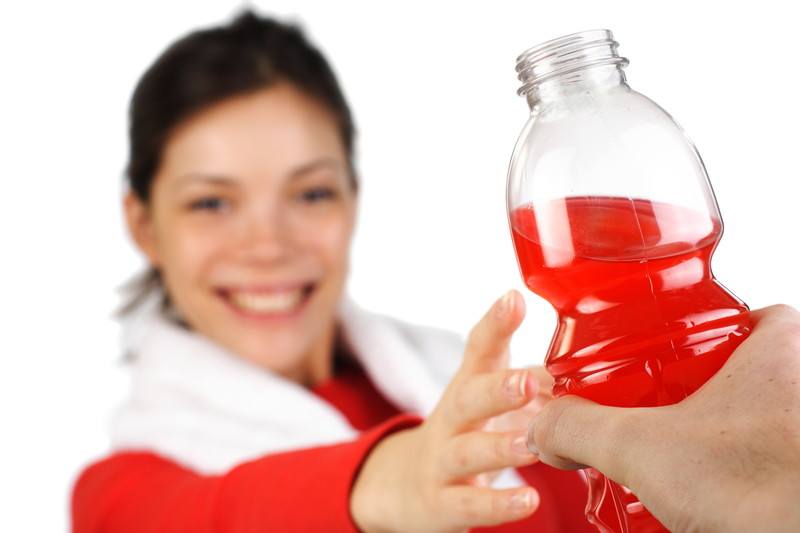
[[268, 303]]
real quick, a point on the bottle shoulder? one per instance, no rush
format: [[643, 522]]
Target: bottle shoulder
[[602, 130]]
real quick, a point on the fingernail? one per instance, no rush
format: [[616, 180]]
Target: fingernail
[[522, 500], [505, 304], [515, 384], [531, 444], [520, 446]]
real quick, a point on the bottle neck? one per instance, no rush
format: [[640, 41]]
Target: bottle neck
[[590, 80], [575, 63]]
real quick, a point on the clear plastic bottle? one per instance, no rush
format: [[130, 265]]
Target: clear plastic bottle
[[614, 222]]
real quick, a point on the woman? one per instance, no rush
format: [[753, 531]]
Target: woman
[[264, 400]]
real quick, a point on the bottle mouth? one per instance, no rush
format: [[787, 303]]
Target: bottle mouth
[[567, 54]]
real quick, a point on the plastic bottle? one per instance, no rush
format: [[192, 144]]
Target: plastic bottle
[[614, 223]]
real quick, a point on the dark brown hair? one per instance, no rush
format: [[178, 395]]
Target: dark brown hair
[[208, 66]]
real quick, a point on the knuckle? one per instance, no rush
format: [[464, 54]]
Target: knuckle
[[432, 503], [452, 459], [624, 428], [501, 449], [467, 507], [619, 429], [792, 334], [786, 336], [460, 401], [505, 384], [635, 435], [499, 505], [781, 318], [460, 457], [785, 310], [548, 426], [508, 388]]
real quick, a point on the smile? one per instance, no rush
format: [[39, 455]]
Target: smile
[[268, 303]]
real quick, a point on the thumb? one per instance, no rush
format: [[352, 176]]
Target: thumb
[[571, 433]]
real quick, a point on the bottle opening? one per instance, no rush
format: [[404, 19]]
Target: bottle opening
[[565, 55]]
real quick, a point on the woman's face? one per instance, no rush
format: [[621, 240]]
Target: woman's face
[[250, 221]]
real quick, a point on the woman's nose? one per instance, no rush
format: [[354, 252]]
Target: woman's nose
[[266, 233]]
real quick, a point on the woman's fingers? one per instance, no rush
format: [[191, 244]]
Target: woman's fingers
[[469, 402], [545, 380], [520, 418], [487, 345], [480, 390], [470, 454], [478, 506]]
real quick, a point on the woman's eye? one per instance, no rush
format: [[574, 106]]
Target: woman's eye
[[209, 203], [318, 194]]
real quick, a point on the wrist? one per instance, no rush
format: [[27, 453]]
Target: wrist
[[378, 490]]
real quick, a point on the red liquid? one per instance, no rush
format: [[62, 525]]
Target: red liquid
[[642, 321]]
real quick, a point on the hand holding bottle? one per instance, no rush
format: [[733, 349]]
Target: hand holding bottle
[[726, 458], [614, 223], [434, 477]]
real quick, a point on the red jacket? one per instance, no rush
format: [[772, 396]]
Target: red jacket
[[302, 490]]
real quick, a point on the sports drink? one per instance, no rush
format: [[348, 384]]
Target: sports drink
[[642, 321]]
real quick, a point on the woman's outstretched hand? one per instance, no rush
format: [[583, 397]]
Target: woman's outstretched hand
[[434, 478]]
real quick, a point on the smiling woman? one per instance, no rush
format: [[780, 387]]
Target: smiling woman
[[263, 399], [249, 223]]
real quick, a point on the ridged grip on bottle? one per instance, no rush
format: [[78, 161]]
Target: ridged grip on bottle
[[565, 55]]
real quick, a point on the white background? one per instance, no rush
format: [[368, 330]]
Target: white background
[[433, 88]]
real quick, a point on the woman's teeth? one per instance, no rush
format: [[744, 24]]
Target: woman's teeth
[[275, 302]]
